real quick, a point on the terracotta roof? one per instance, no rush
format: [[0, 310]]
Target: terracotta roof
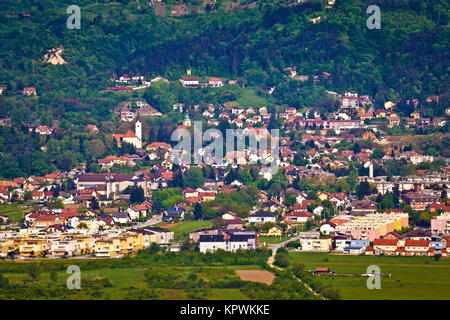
[[385, 242], [417, 243]]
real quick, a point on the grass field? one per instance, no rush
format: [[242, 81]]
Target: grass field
[[411, 277], [272, 239], [14, 212], [249, 98], [126, 281], [183, 229]]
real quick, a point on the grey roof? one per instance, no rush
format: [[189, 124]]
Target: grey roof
[[119, 215], [262, 214], [157, 229], [175, 210]]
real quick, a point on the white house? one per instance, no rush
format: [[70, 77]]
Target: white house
[[121, 217], [318, 211], [190, 82], [327, 228], [136, 211], [261, 217], [215, 82], [124, 78]]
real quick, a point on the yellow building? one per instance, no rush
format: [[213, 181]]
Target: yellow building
[[85, 243], [274, 231], [130, 242], [146, 239], [398, 224], [389, 105], [31, 248], [317, 245], [322, 196], [108, 248], [6, 246]]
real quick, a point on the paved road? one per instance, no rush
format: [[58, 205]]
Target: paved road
[[152, 221], [277, 246]]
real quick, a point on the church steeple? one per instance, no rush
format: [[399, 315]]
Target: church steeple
[[187, 121], [138, 116], [138, 127]]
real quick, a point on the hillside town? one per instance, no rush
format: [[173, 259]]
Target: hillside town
[[322, 205], [225, 155]]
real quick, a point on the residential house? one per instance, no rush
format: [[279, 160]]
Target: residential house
[[316, 245], [121, 217], [163, 236], [175, 213], [108, 248], [298, 216], [29, 91], [261, 217]]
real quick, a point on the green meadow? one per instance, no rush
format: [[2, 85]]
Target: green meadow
[[272, 239], [14, 212], [133, 283], [411, 277], [182, 230]]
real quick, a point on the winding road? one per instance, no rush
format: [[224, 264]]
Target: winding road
[[271, 259]]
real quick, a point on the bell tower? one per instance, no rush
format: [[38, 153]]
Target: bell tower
[[138, 128]]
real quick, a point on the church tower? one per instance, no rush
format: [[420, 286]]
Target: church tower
[[187, 122], [138, 129]]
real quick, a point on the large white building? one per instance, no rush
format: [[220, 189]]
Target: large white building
[[228, 241]]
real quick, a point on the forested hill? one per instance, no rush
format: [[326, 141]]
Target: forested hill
[[406, 58]]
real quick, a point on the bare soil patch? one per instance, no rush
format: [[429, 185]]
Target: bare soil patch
[[256, 276]]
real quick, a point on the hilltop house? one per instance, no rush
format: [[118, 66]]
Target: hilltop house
[[215, 82], [29, 91]]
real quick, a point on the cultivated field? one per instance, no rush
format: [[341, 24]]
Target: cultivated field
[[256, 276], [411, 277]]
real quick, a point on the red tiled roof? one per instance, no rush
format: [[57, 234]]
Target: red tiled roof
[[299, 214], [417, 243], [140, 207], [234, 221], [50, 217], [385, 242]]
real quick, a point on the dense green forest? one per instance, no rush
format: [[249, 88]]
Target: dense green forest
[[407, 58]]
